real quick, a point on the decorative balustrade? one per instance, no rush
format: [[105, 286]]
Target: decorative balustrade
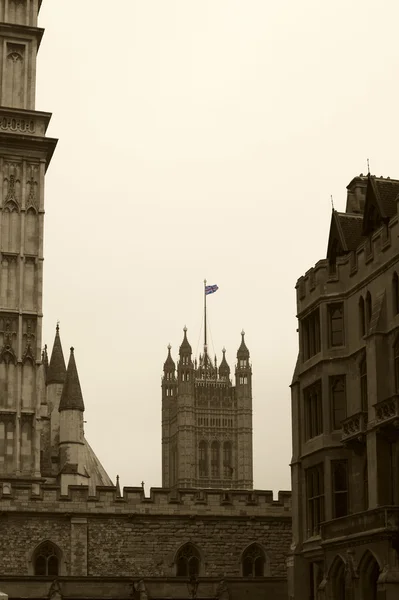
[[354, 428], [387, 411]]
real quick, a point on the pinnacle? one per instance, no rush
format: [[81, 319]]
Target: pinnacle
[[243, 351], [56, 370], [71, 397]]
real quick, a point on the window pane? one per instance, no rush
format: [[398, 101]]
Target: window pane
[[182, 570], [259, 567], [52, 565], [247, 567]]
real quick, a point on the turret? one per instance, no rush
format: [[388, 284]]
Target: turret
[[244, 417], [185, 367], [55, 379], [169, 382], [224, 369], [72, 444]]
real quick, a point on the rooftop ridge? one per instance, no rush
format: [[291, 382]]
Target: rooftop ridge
[[351, 268]]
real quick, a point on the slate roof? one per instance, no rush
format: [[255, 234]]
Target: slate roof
[[351, 226], [243, 351], [71, 397], [56, 371], [95, 470], [388, 191]]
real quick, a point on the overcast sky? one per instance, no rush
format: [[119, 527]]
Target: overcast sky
[[200, 139]]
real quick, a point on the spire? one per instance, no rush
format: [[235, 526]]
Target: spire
[[243, 351], [169, 364], [71, 397], [185, 347], [56, 371], [224, 368], [118, 487]]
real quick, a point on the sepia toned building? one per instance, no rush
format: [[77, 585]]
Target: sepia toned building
[[206, 421], [66, 529], [345, 406]]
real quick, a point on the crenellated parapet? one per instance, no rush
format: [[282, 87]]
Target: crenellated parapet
[[372, 254], [40, 497]]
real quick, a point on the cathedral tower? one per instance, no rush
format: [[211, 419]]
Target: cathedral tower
[[206, 421], [24, 157]]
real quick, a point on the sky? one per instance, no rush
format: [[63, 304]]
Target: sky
[[200, 139]]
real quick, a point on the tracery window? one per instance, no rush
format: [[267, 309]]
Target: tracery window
[[46, 560], [253, 562], [188, 561], [203, 459], [363, 384], [227, 460], [215, 459]]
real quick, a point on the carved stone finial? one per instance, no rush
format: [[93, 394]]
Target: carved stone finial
[[169, 347], [58, 327], [55, 591], [185, 329]]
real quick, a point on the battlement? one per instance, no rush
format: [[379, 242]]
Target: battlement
[[373, 254], [40, 497]]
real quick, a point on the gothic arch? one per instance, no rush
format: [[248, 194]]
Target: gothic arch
[[336, 578], [369, 572], [255, 561], [188, 560], [46, 560]]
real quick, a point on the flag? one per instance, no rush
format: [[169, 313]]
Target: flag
[[210, 289]]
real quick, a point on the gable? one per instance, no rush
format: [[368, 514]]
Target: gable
[[373, 210], [336, 241]]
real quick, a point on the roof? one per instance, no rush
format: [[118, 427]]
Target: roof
[[185, 346], [243, 351], [387, 191], [351, 229], [95, 470], [169, 363], [71, 397], [56, 371]]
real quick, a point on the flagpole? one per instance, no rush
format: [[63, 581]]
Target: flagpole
[[205, 342]]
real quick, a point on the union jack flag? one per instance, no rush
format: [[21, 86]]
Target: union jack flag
[[210, 289]]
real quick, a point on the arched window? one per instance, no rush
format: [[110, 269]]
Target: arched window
[[253, 562], [369, 572], [227, 460], [215, 459], [369, 309], [46, 560], [362, 317], [203, 459], [396, 363], [187, 561], [363, 384], [338, 401], [395, 293], [338, 579]]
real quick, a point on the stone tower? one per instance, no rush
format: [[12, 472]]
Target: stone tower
[[206, 421], [25, 154]]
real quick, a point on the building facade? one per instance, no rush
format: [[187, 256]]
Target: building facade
[[206, 421], [67, 530], [345, 408]]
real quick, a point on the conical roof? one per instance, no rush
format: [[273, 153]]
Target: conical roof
[[224, 366], [169, 364], [71, 397], [185, 347], [56, 371], [243, 351]]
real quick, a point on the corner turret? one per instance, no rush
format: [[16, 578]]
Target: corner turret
[[72, 442], [224, 369]]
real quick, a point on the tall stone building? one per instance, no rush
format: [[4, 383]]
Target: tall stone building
[[206, 421], [345, 407], [65, 529]]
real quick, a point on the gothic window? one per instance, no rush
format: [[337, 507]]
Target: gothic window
[[395, 293], [336, 324], [311, 335], [363, 384], [227, 460], [253, 562], [243, 363], [313, 410], [396, 364], [315, 498], [188, 561], [46, 560], [339, 470], [203, 459], [369, 309], [362, 317], [337, 578], [338, 400], [215, 459]]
